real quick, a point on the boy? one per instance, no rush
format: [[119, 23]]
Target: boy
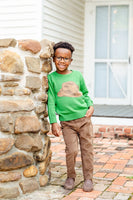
[[68, 97]]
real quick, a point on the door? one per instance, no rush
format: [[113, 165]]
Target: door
[[112, 55]]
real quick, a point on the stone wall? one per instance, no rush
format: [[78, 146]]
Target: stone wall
[[24, 145], [113, 131]]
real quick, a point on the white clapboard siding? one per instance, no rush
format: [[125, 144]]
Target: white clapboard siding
[[63, 20], [20, 19]]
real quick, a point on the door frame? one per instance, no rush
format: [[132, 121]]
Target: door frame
[[89, 50]]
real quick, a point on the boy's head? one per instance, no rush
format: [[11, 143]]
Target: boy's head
[[64, 45], [62, 56]]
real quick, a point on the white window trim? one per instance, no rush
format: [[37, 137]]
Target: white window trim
[[89, 45]]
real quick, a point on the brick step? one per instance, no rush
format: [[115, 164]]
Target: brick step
[[113, 131]]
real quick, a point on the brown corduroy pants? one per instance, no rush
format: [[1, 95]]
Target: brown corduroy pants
[[82, 130]]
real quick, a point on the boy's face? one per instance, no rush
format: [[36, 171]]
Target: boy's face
[[62, 60]]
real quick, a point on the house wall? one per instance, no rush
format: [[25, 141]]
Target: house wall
[[20, 19], [64, 21]]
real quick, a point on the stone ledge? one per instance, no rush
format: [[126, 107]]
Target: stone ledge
[[29, 185]]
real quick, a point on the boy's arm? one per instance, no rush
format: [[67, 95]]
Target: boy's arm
[[87, 99], [90, 111], [51, 102], [56, 130]]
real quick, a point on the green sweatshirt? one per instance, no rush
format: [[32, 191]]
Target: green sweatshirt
[[67, 96]]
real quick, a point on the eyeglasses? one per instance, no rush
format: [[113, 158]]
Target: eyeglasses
[[64, 59]]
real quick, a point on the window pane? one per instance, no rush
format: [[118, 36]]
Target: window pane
[[100, 80], [119, 32], [118, 81], [101, 32]]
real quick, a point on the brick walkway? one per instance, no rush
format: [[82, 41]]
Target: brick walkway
[[113, 173]]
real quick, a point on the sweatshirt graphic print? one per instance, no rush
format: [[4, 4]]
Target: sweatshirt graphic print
[[69, 89]]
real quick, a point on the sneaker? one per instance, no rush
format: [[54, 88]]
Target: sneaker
[[69, 184], [88, 186]]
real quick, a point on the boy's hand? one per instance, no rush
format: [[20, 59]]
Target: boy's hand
[[56, 129], [89, 112]]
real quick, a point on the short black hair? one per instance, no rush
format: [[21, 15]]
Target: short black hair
[[64, 45]]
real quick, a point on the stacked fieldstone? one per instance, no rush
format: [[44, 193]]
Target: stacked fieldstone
[[24, 145]]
